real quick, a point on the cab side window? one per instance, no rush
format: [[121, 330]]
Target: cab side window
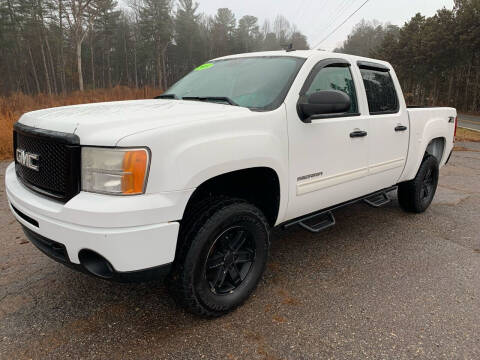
[[381, 95], [335, 78]]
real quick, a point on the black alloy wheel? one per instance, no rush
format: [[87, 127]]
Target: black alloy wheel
[[230, 259], [428, 184]]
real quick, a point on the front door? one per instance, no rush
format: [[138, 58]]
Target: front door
[[329, 156]]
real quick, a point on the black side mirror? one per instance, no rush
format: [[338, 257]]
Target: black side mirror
[[323, 102]]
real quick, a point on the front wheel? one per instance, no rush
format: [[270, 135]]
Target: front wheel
[[416, 195], [222, 257]]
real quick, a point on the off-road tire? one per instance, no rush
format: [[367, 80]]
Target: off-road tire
[[201, 227], [416, 195]]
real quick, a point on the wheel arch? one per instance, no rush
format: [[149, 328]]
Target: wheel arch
[[436, 147], [257, 185]]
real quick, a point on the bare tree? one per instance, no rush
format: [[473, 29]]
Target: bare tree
[[80, 15]]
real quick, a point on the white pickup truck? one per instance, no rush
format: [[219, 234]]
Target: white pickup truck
[[189, 184]]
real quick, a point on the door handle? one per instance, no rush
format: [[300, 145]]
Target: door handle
[[400, 128], [358, 133]]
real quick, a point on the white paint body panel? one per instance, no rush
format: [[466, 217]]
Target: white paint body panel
[[427, 124], [104, 226], [387, 148], [324, 146], [192, 142]]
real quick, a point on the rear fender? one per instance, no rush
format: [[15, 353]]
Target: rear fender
[[422, 132]]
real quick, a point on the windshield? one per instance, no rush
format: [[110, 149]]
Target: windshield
[[256, 82]]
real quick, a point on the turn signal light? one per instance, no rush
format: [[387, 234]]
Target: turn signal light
[[135, 165]]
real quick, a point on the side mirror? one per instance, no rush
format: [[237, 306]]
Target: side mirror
[[323, 102]]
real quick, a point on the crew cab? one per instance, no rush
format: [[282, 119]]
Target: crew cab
[[188, 185]]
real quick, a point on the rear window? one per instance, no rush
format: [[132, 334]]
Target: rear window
[[381, 95]]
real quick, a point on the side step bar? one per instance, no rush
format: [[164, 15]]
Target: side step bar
[[326, 220], [377, 200], [323, 219]]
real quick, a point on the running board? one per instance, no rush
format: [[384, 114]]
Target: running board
[[323, 219], [377, 200], [318, 222]]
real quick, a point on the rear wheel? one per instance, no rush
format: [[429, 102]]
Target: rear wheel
[[222, 257], [416, 195]]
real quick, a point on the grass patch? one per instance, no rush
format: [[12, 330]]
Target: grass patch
[[467, 135]]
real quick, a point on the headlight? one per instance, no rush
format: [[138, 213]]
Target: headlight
[[114, 171]]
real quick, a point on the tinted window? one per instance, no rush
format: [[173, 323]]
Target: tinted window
[[335, 78], [381, 94]]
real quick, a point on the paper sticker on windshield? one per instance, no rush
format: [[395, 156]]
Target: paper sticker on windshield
[[204, 66]]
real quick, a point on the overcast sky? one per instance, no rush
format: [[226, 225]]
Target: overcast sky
[[317, 18]]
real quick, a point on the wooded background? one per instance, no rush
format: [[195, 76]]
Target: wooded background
[[437, 58], [59, 46], [56, 46]]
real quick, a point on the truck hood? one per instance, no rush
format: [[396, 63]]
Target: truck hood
[[106, 123]]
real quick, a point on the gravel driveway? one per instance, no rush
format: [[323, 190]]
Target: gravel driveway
[[380, 284]]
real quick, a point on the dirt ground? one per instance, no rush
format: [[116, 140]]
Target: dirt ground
[[380, 284]]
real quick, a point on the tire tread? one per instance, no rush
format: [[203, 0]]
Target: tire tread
[[407, 191], [200, 216]]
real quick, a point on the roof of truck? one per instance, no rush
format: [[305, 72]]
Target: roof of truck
[[318, 54]]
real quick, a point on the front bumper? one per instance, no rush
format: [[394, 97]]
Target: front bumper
[[58, 252], [133, 233]]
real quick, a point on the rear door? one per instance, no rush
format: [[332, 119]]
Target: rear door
[[389, 132]]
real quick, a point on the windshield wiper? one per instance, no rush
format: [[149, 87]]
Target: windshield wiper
[[166, 96], [224, 99]]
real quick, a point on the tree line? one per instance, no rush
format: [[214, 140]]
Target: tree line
[[56, 46], [437, 58]]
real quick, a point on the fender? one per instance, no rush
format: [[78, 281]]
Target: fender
[[423, 129], [184, 157]]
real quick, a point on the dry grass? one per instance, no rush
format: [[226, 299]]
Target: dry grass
[[467, 135], [13, 106]]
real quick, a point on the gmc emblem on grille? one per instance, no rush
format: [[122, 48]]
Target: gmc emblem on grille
[[27, 159]]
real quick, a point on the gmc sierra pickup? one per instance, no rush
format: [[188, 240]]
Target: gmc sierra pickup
[[188, 185]]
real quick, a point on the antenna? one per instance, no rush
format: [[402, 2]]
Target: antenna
[[288, 47]]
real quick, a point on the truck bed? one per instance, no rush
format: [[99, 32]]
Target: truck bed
[[428, 123]]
